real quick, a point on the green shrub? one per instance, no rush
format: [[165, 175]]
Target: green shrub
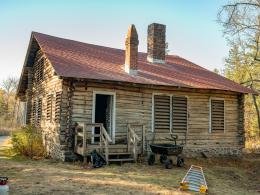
[[27, 141]]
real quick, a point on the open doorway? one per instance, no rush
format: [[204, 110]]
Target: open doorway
[[104, 113]]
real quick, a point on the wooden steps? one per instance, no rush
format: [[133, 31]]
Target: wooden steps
[[110, 152], [121, 160], [118, 153], [120, 157], [113, 148]]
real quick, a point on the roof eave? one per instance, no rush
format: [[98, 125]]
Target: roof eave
[[155, 85], [25, 65]]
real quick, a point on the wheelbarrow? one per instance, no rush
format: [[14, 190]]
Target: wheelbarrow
[[166, 150]]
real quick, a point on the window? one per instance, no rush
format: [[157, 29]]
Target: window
[[170, 113], [49, 107], [162, 113], [58, 106], [217, 115], [39, 70], [37, 111], [33, 112], [179, 114]]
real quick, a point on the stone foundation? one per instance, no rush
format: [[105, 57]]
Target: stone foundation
[[212, 152], [60, 152]]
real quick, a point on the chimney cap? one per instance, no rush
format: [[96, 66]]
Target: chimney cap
[[157, 24], [132, 31]]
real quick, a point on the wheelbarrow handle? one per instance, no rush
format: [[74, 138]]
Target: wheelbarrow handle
[[175, 137]]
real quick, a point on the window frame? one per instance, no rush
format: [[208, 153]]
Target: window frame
[[36, 113], [57, 105], [210, 117], [52, 97], [171, 109], [39, 70], [112, 93]]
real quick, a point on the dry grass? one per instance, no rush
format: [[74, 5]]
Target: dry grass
[[50, 177], [253, 144]]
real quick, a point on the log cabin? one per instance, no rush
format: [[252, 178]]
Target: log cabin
[[86, 97]]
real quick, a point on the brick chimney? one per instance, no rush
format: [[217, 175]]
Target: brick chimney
[[131, 51], [156, 43]]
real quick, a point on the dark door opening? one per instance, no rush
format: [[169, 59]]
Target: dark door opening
[[103, 114]]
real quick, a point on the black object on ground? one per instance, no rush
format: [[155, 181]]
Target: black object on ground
[[97, 160], [166, 150]]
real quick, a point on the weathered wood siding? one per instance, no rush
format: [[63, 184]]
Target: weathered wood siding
[[48, 84], [134, 106]]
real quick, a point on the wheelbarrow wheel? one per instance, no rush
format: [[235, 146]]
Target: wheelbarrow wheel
[[163, 158], [180, 161], [151, 159], [168, 163]]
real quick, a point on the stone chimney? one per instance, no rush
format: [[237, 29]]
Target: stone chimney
[[131, 51], [156, 43]]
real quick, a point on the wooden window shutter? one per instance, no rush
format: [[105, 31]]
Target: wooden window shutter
[[217, 115], [49, 107], [39, 71], [39, 111], [33, 119], [179, 114], [58, 106], [162, 113]]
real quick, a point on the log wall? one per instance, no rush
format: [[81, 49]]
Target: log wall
[[49, 84], [134, 106]]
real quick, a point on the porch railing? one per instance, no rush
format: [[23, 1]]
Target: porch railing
[[132, 141], [104, 138]]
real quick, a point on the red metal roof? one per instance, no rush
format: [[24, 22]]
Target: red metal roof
[[81, 60]]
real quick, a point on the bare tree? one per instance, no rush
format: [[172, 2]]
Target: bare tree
[[241, 24], [7, 108], [9, 85], [240, 17]]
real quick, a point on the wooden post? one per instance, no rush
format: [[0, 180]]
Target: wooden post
[[106, 152], [134, 149], [128, 138], [84, 139], [76, 139], [106, 139], [100, 138], [143, 139]]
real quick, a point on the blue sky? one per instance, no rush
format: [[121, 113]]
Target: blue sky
[[192, 30]]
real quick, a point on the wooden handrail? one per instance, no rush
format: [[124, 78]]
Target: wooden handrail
[[132, 132], [105, 139], [132, 139]]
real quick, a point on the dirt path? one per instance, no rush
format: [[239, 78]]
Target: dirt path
[[50, 177], [3, 140]]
